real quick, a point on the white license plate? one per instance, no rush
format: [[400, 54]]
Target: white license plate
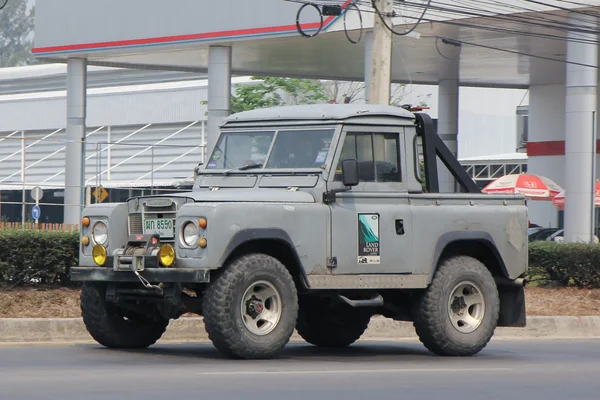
[[160, 226]]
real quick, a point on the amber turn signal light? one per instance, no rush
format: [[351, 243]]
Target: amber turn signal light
[[202, 242], [85, 240], [85, 222], [202, 223]]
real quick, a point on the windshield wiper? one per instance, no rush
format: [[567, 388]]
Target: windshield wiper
[[244, 168]]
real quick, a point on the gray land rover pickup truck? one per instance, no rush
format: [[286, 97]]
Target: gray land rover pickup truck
[[311, 218]]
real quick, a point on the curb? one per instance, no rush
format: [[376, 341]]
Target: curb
[[65, 330]]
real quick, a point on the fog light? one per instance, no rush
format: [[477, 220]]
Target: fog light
[[99, 255], [85, 240], [202, 223], [85, 222], [202, 242], [166, 254]]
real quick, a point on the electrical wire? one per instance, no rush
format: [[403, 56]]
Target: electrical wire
[[553, 24], [437, 39], [520, 53], [577, 33], [515, 32], [410, 81], [465, 9], [392, 29], [537, 19], [4, 5], [361, 23], [515, 20], [299, 27], [523, 99], [443, 12], [541, 3], [582, 39]]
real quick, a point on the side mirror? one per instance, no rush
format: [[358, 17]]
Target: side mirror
[[350, 172], [197, 170]]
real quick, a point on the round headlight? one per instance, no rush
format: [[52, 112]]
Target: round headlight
[[190, 234], [100, 233]]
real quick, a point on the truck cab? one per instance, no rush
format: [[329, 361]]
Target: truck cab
[[313, 218]]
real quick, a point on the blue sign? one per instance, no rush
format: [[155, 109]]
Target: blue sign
[[36, 212]]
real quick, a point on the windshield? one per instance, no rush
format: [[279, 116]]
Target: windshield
[[307, 148]]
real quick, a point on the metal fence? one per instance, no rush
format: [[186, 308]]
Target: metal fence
[[5, 226], [119, 162]]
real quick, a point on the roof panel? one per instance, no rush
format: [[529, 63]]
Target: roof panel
[[320, 112]]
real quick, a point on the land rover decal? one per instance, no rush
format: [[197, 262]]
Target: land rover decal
[[368, 239]]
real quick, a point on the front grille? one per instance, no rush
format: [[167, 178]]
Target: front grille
[[147, 210], [135, 224]]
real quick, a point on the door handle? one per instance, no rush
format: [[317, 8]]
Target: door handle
[[399, 227]]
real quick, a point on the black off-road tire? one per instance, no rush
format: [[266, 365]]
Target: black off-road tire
[[114, 328], [432, 321], [222, 308], [326, 324]]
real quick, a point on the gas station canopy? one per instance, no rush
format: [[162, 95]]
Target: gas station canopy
[[496, 50]]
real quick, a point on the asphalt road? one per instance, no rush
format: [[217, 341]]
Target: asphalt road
[[368, 370]]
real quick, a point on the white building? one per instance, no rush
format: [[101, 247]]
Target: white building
[[145, 131]]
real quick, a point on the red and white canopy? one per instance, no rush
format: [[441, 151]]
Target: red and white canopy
[[559, 199], [531, 186]]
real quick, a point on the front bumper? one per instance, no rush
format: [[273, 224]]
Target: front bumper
[[139, 258], [154, 275]]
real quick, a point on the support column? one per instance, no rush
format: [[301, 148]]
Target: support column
[[448, 89], [580, 121], [219, 92], [368, 64], [381, 55], [545, 126], [75, 148]]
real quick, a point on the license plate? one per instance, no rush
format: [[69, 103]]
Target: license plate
[[159, 226]]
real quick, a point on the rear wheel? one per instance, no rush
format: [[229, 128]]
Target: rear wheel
[[114, 327], [458, 313], [327, 324], [250, 310]]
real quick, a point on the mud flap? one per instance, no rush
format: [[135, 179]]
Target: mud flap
[[512, 306]]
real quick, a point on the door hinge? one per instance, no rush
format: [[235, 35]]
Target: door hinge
[[332, 262]]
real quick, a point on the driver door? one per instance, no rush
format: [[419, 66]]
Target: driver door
[[370, 224]]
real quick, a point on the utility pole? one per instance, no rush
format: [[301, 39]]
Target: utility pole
[[381, 55]]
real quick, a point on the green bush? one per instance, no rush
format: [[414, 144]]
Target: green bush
[[45, 258], [29, 257], [564, 264]]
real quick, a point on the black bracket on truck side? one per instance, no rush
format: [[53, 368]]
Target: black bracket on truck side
[[434, 147]]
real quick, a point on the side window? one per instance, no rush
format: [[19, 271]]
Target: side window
[[387, 163], [377, 155]]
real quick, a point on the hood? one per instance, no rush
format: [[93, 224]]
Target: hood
[[245, 195]]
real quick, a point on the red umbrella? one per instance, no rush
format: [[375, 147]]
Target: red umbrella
[[534, 187], [559, 199]]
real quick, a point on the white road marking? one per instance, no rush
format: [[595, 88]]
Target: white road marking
[[353, 371]]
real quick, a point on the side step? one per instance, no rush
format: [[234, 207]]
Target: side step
[[376, 301]]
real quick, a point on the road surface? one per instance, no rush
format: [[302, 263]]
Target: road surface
[[531, 370]]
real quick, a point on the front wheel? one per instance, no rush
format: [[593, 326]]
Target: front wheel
[[250, 310], [114, 327], [458, 313]]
